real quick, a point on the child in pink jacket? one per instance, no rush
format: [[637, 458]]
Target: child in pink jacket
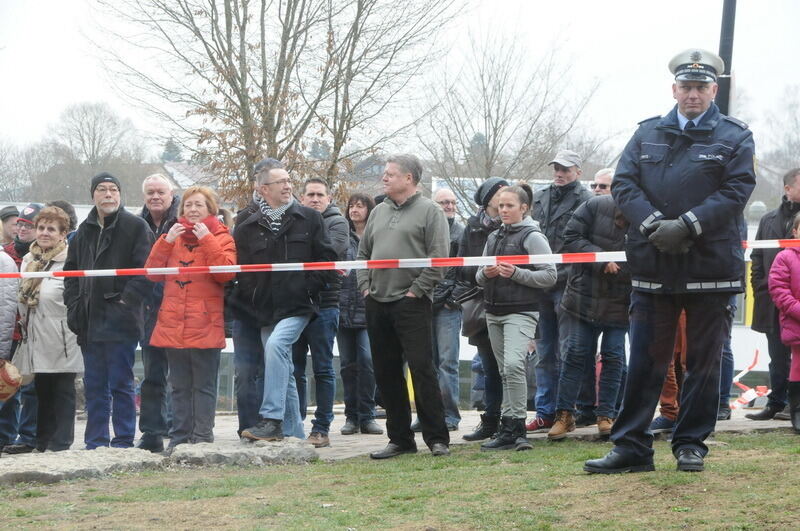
[[784, 287]]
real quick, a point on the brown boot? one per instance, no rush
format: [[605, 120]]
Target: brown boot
[[564, 423], [604, 425]]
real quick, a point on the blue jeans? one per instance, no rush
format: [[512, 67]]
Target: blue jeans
[[248, 362], [18, 424], [581, 347], [492, 383], [108, 380], [154, 412], [280, 400], [358, 376], [317, 336], [726, 365], [550, 346], [446, 343]]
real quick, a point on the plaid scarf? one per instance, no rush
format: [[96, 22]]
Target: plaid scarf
[[274, 215], [29, 289]]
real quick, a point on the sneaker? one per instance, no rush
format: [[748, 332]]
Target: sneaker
[[565, 423], [538, 424], [662, 424], [371, 427], [585, 418], [350, 427], [319, 440], [604, 425], [265, 430]]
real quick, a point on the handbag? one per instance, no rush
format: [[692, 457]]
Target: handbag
[[473, 312]]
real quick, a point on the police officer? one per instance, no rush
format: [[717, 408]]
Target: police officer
[[682, 182]]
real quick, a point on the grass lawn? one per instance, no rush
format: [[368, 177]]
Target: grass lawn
[[750, 482]]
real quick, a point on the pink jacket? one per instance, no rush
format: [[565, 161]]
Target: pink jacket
[[784, 287]]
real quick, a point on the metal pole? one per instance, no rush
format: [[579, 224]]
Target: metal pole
[[726, 53]]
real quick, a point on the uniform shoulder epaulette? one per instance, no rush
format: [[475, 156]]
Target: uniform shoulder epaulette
[[657, 117], [736, 121]]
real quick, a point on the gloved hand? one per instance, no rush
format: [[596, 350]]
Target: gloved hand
[[671, 236]]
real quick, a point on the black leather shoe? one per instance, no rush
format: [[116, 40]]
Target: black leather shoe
[[724, 413], [765, 414], [615, 463], [13, 449], [784, 414], [690, 460], [152, 443], [439, 449], [392, 450]]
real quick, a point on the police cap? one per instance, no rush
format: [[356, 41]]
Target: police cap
[[696, 64]]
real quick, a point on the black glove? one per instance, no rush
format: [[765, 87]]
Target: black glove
[[671, 236]]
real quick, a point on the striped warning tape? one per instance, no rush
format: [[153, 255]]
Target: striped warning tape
[[566, 258], [748, 393]]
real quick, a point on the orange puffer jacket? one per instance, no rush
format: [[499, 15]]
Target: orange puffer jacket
[[191, 314]]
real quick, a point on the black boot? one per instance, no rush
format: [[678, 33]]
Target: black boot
[[794, 404], [765, 414], [484, 430], [520, 436], [505, 439]]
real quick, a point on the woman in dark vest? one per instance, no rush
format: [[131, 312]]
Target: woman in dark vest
[[511, 293]]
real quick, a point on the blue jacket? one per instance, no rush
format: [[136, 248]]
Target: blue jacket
[[705, 176]]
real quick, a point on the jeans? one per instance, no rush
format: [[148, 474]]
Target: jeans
[[154, 409], [108, 380], [492, 383], [358, 376], [193, 378], [400, 331], [446, 343], [318, 336], [581, 349], [280, 400], [779, 363], [654, 320], [55, 430], [550, 346], [510, 335], [248, 362], [726, 365], [18, 417]]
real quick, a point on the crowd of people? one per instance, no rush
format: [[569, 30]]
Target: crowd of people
[[674, 203]]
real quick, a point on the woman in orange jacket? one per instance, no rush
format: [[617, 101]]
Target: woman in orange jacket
[[191, 325]]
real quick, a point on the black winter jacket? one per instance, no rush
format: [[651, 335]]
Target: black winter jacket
[[591, 294], [338, 231], [703, 176], [108, 308], [169, 219], [443, 293], [774, 225], [352, 308], [264, 298]]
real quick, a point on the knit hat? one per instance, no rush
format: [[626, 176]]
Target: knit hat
[[104, 177], [30, 212], [486, 191], [7, 212]]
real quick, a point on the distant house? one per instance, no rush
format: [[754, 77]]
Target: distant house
[[184, 175]]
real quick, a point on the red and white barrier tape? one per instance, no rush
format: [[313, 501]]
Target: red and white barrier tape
[[748, 394], [566, 258]]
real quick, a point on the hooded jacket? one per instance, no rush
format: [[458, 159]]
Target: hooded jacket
[[784, 287]]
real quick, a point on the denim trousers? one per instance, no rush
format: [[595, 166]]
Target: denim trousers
[[193, 378], [550, 346], [587, 397], [726, 364], [400, 331], [446, 345], [654, 321], [248, 362], [108, 380], [18, 417], [358, 376], [55, 430], [581, 349], [154, 413], [510, 335], [280, 400], [318, 336], [779, 364]]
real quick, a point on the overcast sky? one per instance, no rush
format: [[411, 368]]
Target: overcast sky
[[47, 64]]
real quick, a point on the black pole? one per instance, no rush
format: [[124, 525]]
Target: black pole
[[726, 53]]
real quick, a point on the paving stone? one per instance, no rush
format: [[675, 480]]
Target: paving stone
[[259, 453]]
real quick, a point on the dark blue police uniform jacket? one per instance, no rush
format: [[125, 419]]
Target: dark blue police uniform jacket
[[704, 175]]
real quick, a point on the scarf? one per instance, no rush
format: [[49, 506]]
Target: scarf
[[274, 215], [188, 237], [29, 289]]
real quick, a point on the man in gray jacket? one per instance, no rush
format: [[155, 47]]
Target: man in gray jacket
[[399, 307]]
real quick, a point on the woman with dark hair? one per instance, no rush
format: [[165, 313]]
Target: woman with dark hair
[[511, 295], [48, 349], [355, 356]]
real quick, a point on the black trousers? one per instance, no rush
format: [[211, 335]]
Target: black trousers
[[654, 321], [55, 429], [400, 331]]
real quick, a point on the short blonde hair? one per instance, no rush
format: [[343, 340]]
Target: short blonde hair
[[211, 198]]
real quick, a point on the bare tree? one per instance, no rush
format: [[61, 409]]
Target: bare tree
[[499, 116], [11, 182], [93, 134]]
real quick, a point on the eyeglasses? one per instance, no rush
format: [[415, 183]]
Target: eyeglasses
[[103, 189], [24, 225], [279, 181], [447, 202], [601, 186]]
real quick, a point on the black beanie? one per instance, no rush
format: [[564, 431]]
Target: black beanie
[[487, 190], [104, 177]]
